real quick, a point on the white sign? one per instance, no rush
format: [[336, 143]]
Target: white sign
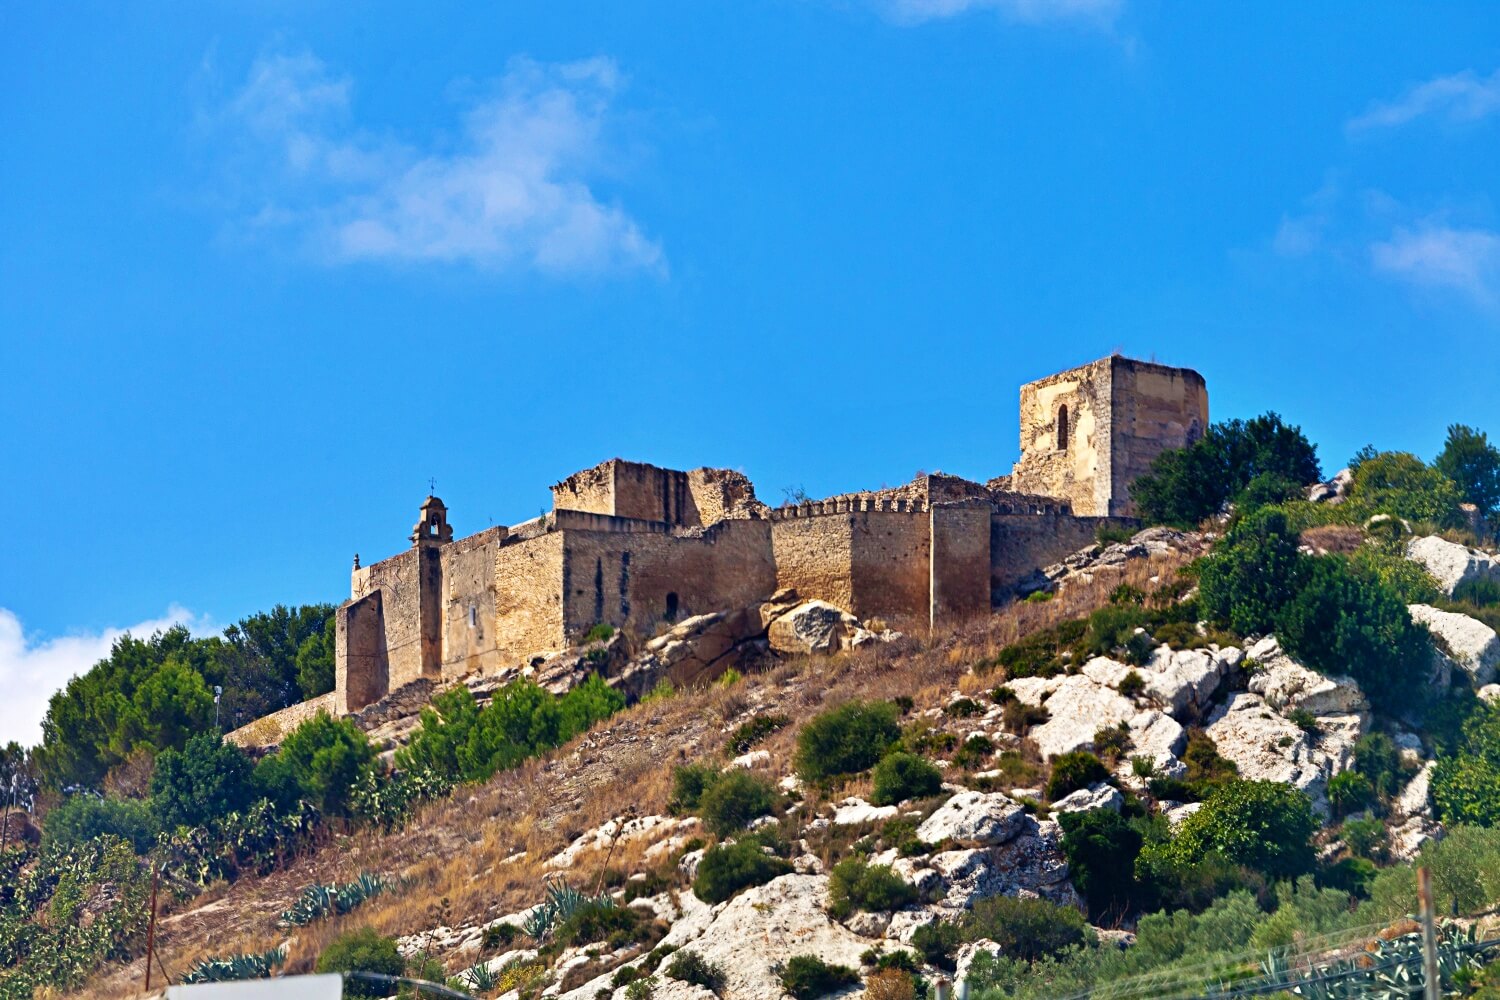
[[329, 987]]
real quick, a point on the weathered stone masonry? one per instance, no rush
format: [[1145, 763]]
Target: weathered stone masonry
[[636, 546]]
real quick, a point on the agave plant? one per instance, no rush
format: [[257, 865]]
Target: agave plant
[[479, 977], [318, 901], [236, 967], [559, 904]]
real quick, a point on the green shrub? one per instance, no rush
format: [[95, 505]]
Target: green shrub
[[1473, 464], [1101, 847], [598, 920], [1264, 825], [732, 800], [599, 633], [362, 950], [1481, 593], [689, 782], [1113, 742], [1072, 771], [690, 967], [1364, 837], [82, 817], [727, 868], [1303, 720], [1376, 757], [901, 776], [975, 750], [854, 885], [1466, 783], [1132, 684], [205, 780], [1392, 570], [1113, 534], [1018, 717], [319, 762], [846, 740], [1027, 929], [1402, 485], [936, 942], [962, 708], [752, 732], [1179, 635], [807, 977], [1248, 579], [1206, 767], [1349, 792], [1186, 485]]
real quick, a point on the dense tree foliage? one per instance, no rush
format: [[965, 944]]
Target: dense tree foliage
[[205, 780], [1473, 464], [1466, 784], [82, 817], [154, 694], [1264, 457], [846, 740], [1264, 825], [319, 762], [1401, 484]]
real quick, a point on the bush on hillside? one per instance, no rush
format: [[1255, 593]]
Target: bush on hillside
[[1466, 783], [1402, 485], [901, 776], [1349, 792], [725, 869], [750, 733], [319, 762], [82, 817], [733, 799], [1186, 485], [1264, 825], [854, 885], [1249, 578], [846, 740], [1101, 847], [206, 780], [1027, 929], [689, 782], [807, 977], [1072, 771], [690, 967], [362, 950]]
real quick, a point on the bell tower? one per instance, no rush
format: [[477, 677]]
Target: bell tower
[[432, 527]]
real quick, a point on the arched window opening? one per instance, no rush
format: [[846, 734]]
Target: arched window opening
[[672, 606], [1062, 428]]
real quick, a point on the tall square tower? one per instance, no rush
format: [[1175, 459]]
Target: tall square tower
[[1088, 432]]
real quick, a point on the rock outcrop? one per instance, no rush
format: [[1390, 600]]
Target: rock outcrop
[[1265, 746], [1472, 644], [985, 819], [1287, 685], [1450, 564]]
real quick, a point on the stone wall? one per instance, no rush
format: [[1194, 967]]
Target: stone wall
[[812, 554], [270, 730], [960, 564], [889, 566], [399, 582], [470, 642], [529, 588], [628, 576], [1021, 543], [361, 661]]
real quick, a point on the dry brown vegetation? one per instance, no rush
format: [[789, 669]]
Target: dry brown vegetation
[[480, 853]]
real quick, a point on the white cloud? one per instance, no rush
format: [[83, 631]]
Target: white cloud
[[1437, 256], [1462, 97], [32, 669], [1101, 12], [510, 190]]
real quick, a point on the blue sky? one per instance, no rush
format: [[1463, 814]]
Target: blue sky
[[266, 267]]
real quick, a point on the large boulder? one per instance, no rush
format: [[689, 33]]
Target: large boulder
[[1077, 707], [1474, 645], [767, 925], [1182, 680], [985, 818], [1287, 685], [1415, 798], [1099, 796], [1265, 746], [811, 627], [1031, 864], [1451, 564]]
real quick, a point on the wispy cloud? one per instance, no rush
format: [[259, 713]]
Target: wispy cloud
[[33, 669], [1434, 255], [515, 186], [1461, 97], [1096, 12]]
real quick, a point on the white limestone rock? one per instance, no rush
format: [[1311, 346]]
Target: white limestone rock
[[1267, 747], [1077, 708], [753, 759], [1099, 796], [1407, 839], [640, 828], [985, 818], [1451, 564], [867, 924], [1184, 679], [1030, 864], [968, 952], [1474, 645], [854, 810], [1287, 685], [769, 924], [1177, 813], [1489, 694], [1159, 738], [1414, 799]]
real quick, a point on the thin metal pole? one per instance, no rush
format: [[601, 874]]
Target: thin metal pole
[[151, 927], [1430, 984], [5, 816]]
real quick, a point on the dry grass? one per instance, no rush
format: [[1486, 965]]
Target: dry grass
[[462, 849]]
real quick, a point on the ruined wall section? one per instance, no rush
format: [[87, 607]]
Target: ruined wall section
[[813, 553], [1155, 407], [1026, 539], [591, 490], [470, 644], [960, 567], [399, 581], [529, 585], [1066, 424], [632, 575], [719, 494], [362, 663]]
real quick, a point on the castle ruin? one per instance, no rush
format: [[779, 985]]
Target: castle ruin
[[635, 546]]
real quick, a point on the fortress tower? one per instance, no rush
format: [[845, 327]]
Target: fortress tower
[[1088, 432]]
